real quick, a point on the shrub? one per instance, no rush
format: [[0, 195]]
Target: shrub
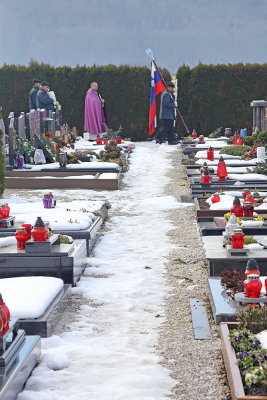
[[253, 318], [235, 150], [232, 281]]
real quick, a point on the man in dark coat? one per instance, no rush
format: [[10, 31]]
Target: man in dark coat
[[33, 94], [43, 98], [167, 115]]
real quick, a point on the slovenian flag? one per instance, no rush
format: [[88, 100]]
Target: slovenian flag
[[157, 87]]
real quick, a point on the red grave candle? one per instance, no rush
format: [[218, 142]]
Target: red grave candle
[[249, 198], [221, 170], [210, 154], [252, 267], [253, 286], [236, 138], [238, 239], [39, 232], [245, 193], [201, 139], [21, 237], [205, 177], [237, 208], [240, 142], [248, 209], [6, 311], [215, 198], [194, 134]]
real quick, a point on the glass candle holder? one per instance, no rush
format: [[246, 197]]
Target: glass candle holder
[[21, 237], [248, 209], [253, 286], [47, 201], [238, 239]]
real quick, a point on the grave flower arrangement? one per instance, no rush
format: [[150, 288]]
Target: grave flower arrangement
[[113, 153], [251, 357]]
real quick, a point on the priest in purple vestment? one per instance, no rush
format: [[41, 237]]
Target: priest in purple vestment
[[94, 116]]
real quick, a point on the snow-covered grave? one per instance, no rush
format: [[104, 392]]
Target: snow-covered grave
[[80, 219], [109, 350], [82, 165], [229, 162], [32, 300], [203, 155]]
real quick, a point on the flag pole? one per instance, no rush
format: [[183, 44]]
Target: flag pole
[[150, 54]]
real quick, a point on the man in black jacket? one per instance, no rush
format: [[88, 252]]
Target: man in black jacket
[[167, 115], [33, 94], [43, 99]]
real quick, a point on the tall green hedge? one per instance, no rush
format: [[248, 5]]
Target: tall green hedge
[[219, 95], [126, 90]]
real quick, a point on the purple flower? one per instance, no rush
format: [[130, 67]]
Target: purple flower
[[236, 338], [246, 335], [232, 343], [257, 342], [253, 355], [241, 355]]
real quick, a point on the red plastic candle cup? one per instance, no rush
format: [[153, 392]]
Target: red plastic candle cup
[[248, 209], [210, 154], [245, 193], [98, 140], [215, 198], [105, 141], [236, 138], [240, 142], [28, 229], [118, 140], [238, 239], [194, 134], [21, 236], [201, 139], [6, 311], [253, 286], [250, 199], [266, 286]]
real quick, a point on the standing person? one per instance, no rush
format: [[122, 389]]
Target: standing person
[[33, 94], [43, 98], [93, 114], [167, 107]]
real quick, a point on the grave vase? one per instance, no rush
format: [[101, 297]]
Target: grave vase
[[47, 201], [20, 162]]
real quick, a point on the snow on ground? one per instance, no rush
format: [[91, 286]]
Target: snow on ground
[[110, 352], [33, 294], [231, 162]]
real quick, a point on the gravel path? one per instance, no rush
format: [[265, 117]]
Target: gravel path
[[196, 365]]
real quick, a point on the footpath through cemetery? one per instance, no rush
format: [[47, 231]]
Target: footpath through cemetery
[[132, 269]]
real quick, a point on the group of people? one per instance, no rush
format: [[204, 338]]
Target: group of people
[[39, 97], [96, 117]]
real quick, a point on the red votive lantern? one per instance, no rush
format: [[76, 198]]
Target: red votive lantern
[[201, 139], [248, 209], [221, 170], [253, 286], [245, 193], [22, 237], [118, 140], [194, 134], [204, 166], [39, 231], [238, 239], [215, 198], [28, 229], [250, 198], [3, 317], [252, 267], [205, 177], [210, 154], [105, 141], [236, 138], [98, 140], [4, 307], [237, 208], [266, 286], [240, 142]]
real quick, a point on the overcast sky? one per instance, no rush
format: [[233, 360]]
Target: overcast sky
[[86, 32]]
